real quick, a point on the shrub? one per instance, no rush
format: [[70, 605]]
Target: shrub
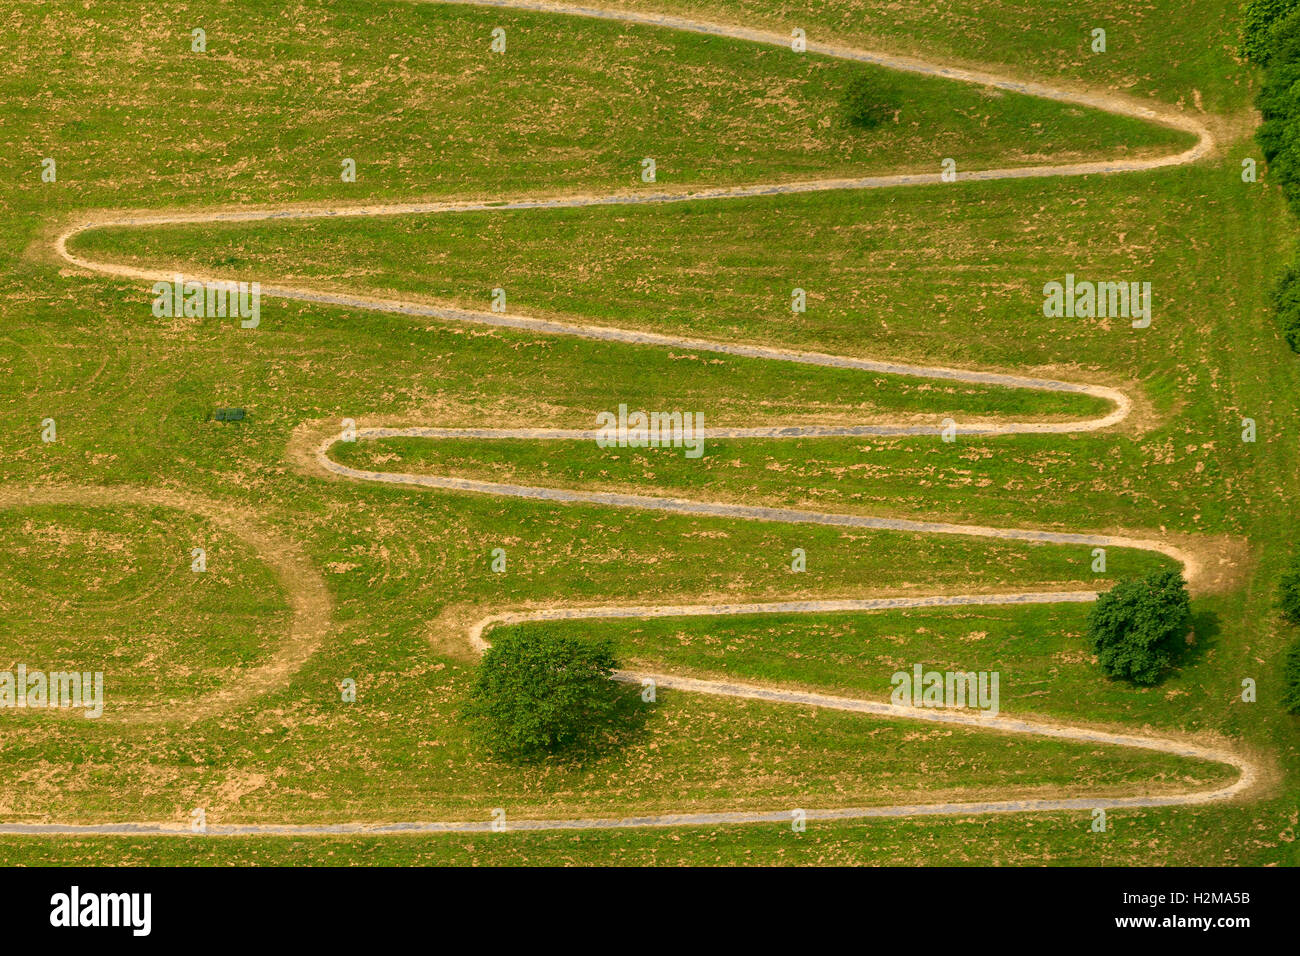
[[1258, 19], [538, 693], [1286, 300], [1291, 680], [1135, 627], [1279, 105], [865, 106], [1289, 590], [1279, 132]]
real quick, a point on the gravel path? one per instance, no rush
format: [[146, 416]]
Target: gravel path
[[1120, 406]]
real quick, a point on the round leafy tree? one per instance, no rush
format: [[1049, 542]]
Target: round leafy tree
[[538, 692], [865, 106], [1135, 627]]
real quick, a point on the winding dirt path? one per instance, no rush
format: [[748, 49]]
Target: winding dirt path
[[1194, 564]]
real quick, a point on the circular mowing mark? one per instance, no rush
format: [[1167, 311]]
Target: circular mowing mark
[[98, 564], [304, 589], [52, 367]]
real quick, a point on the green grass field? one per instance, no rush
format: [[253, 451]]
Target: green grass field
[[937, 274]]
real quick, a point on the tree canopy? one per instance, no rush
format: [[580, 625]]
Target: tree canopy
[[1136, 626], [538, 692]]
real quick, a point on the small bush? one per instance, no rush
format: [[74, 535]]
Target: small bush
[[1288, 600], [1288, 597], [1291, 680], [540, 693], [1286, 300], [1136, 626], [1258, 19], [865, 106], [1278, 134], [1279, 106]]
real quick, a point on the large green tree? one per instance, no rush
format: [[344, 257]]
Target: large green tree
[[1136, 626], [538, 692]]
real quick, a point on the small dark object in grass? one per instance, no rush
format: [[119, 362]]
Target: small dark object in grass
[[865, 105], [227, 415]]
